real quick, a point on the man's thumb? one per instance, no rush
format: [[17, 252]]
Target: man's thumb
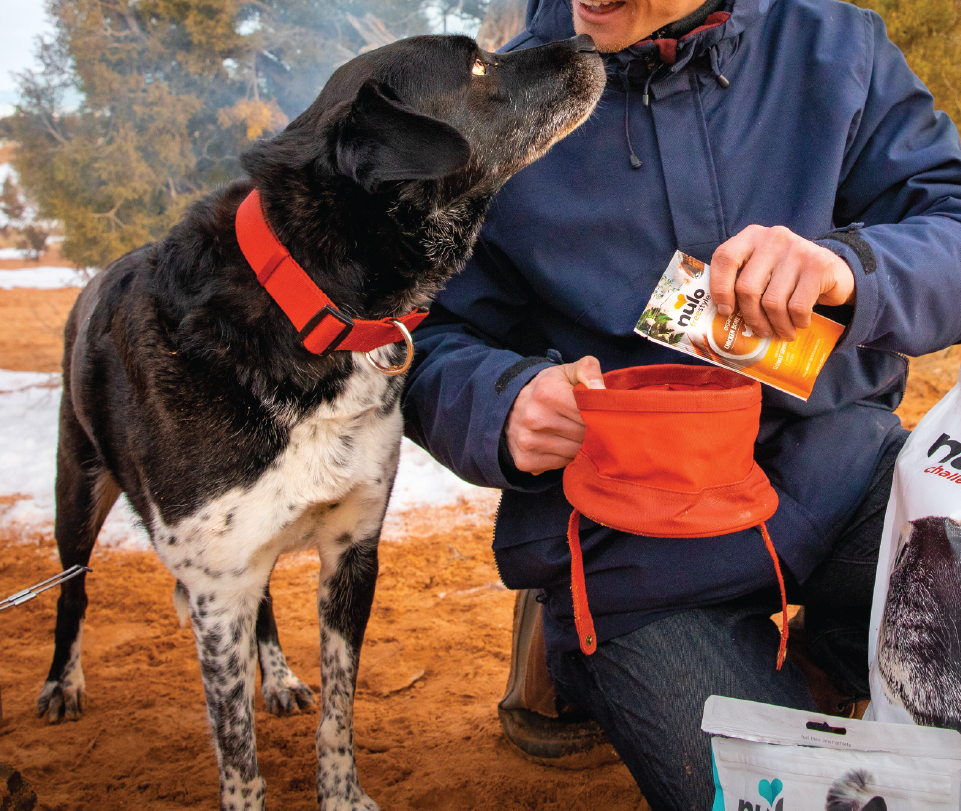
[[587, 371]]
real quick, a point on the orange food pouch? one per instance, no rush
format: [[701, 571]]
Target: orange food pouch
[[682, 315]]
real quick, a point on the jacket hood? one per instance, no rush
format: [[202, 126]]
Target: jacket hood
[[551, 20]]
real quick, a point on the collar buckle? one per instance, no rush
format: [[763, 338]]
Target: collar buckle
[[320, 315]]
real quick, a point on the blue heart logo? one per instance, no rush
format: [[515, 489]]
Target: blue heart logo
[[769, 790]]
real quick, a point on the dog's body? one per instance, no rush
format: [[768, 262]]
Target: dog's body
[[186, 387]]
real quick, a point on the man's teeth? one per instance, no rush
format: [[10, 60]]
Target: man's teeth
[[598, 3]]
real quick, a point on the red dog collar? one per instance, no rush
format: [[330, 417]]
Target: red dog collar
[[322, 326]]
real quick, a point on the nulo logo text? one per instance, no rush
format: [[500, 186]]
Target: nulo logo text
[[952, 448], [769, 790], [747, 805], [692, 301]]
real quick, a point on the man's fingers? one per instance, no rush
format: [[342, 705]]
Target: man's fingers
[[530, 446], [544, 427], [727, 260], [775, 277], [545, 462], [587, 371], [750, 287], [542, 421], [778, 302], [802, 302]]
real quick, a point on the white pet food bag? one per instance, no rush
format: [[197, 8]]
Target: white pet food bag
[[915, 645], [774, 759]]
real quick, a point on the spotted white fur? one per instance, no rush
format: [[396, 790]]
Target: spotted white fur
[[328, 489], [283, 692]]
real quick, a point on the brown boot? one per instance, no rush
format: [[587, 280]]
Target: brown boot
[[541, 727], [829, 699]]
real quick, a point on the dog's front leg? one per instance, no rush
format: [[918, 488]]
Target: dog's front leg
[[344, 598], [224, 612]]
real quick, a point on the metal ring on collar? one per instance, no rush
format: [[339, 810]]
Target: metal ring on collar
[[391, 371]]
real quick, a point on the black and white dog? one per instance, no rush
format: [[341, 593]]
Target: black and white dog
[[189, 389]]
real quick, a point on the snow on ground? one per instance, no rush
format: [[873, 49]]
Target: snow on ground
[[12, 253], [29, 402], [40, 278]]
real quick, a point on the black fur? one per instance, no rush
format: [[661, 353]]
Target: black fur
[[853, 791], [186, 387], [919, 649]]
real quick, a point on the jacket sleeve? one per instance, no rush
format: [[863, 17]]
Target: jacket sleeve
[[463, 383], [899, 205]]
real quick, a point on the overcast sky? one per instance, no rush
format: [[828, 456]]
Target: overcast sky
[[23, 21]]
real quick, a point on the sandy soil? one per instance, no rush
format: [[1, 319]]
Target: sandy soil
[[434, 665]]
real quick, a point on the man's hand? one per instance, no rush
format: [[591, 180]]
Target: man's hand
[[544, 427], [782, 276]]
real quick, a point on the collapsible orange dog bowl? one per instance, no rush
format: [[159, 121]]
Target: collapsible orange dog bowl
[[668, 452]]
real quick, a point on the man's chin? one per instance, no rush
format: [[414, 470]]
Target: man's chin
[[608, 39], [605, 44]]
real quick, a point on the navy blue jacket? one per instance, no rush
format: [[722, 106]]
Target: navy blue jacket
[[822, 128]]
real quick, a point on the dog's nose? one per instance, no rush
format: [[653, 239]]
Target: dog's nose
[[583, 43]]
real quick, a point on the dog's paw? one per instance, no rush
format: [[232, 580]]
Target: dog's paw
[[285, 694], [363, 803], [338, 788], [58, 700]]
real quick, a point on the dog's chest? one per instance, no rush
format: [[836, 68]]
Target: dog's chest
[[337, 465]]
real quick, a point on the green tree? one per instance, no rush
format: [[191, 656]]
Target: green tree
[[11, 205], [171, 91]]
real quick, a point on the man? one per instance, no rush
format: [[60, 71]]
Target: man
[[788, 144]]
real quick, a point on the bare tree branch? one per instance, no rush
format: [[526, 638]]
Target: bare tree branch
[[111, 217]]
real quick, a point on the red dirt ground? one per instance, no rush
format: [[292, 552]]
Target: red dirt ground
[[434, 664]]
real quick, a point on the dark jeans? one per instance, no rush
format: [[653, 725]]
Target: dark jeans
[[647, 688]]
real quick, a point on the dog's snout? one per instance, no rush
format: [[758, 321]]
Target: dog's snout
[[583, 43]]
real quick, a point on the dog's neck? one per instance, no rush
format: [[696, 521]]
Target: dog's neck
[[369, 267], [413, 241]]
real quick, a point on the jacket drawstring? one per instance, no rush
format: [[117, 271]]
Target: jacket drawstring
[[636, 162], [647, 90], [722, 80]]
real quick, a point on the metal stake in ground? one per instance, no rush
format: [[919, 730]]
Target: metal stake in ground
[[28, 594]]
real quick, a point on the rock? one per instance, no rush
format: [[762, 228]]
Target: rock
[[15, 792]]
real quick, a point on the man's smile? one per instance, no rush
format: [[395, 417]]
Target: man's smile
[[601, 6]]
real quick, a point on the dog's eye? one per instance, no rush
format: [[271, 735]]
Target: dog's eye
[[479, 68]]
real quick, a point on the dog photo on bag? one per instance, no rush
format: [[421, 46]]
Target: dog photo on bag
[[919, 650], [239, 380]]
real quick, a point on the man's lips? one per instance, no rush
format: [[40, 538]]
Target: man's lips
[[592, 9]]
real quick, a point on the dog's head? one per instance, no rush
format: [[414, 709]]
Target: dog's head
[[436, 108], [854, 791], [379, 188], [919, 651]]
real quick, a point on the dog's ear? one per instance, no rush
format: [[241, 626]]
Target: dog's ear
[[382, 139]]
